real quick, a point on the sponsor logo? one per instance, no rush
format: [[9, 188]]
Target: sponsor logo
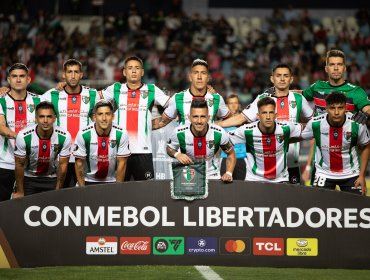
[[148, 175], [268, 140], [268, 246], [135, 245], [20, 108], [201, 246], [74, 99], [103, 143], [335, 134], [44, 146], [188, 174], [101, 245], [282, 104], [302, 247], [168, 246], [200, 145], [234, 246]]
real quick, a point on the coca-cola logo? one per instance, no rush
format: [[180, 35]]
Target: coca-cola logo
[[135, 245]]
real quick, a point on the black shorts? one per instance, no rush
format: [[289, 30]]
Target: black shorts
[[346, 185], [240, 169], [294, 175], [71, 178], [6, 183], [139, 167], [34, 185]]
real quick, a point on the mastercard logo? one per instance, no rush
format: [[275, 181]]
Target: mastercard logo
[[235, 246]]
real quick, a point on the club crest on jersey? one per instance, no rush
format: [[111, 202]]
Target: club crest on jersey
[[293, 104], [144, 94], [85, 99], [188, 174], [268, 140], [31, 107], [112, 143], [335, 134], [282, 104], [348, 135], [103, 144], [279, 138], [44, 146], [210, 102], [211, 143], [74, 99], [199, 144], [55, 147]]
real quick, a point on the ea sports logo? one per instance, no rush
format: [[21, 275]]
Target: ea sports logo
[[148, 175], [235, 246]]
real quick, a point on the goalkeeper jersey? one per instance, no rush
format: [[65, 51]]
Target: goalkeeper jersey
[[201, 148], [336, 154], [266, 153], [356, 96], [42, 154], [288, 108], [179, 105], [18, 114], [101, 152], [134, 112]]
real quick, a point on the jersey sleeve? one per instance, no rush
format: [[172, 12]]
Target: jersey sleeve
[[123, 148], [171, 111], [173, 141], [307, 132], [79, 149], [66, 149], [360, 99], [251, 110], [108, 93], [226, 143], [363, 137], [160, 97], [308, 92], [2, 100], [237, 136], [20, 146], [223, 111], [307, 111], [295, 130]]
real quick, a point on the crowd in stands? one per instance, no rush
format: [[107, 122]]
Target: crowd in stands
[[240, 61]]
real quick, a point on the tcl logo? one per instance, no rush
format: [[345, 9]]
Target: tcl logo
[[268, 246], [135, 245]]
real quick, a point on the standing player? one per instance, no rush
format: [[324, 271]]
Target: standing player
[[338, 139], [17, 110], [41, 154], [290, 106], [74, 104], [134, 101], [101, 149], [200, 140], [267, 143], [179, 105]]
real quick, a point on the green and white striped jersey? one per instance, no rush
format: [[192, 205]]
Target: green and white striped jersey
[[42, 154], [179, 105], [18, 114], [266, 153], [201, 148], [101, 152], [337, 155]]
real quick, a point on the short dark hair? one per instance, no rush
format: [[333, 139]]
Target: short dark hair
[[45, 105], [335, 53], [133, 57], [282, 65], [266, 101], [71, 62], [103, 103], [199, 61], [18, 66], [232, 96], [198, 103], [335, 98]]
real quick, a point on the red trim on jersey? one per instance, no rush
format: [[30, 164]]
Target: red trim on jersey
[[103, 158], [73, 114], [322, 103], [282, 108], [132, 120], [200, 147], [269, 158], [335, 148], [350, 107], [44, 157], [20, 108]]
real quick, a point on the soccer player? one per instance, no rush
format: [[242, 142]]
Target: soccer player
[[179, 105], [74, 104], [339, 139], [267, 143], [41, 153], [233, 104], [290, 106], [200, 140], [101, 149], [17, 110], [134, 101]]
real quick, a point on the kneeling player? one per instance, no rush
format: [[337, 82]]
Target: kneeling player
[[41, 154]]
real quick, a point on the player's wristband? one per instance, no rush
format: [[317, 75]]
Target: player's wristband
[[176, 154], [229, 173], [308, 167]]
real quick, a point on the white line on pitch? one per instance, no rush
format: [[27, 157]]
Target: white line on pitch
[[207, 272]]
